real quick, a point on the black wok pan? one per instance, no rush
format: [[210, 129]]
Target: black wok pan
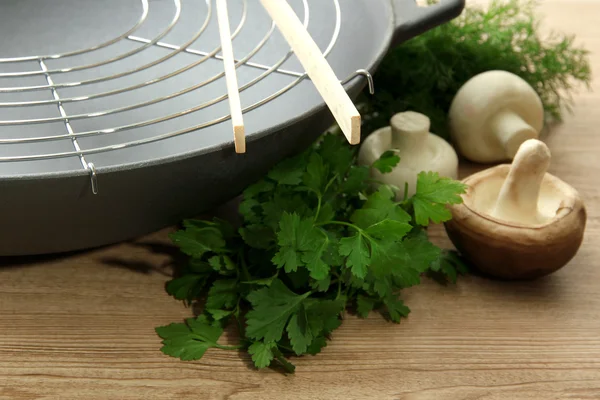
[[113, 115]]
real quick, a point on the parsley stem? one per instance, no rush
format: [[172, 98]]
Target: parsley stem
[[288, 366], [341, 223], [235, 347], [349, 225], [330, 182], [244, 267], [236, 313], [319, 203], [285, 348]]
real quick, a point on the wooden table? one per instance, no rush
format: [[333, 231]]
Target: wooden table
[[82, 326]]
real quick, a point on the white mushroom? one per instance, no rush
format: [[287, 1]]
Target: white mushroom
[[518, 221], [419, 150], [492, 114]]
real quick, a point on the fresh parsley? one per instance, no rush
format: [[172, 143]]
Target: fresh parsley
[[316, 238]]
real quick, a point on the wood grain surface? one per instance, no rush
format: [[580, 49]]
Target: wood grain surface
[[81, 326]]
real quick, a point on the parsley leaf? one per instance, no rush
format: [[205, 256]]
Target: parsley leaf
[[222, 264], [419, 252], [195, 242], [258, 236], [317, 345], [262, 353], [336, 154], [313, 260], [364, 305], [259, 187], [186, 287], [396, 308], [288, 172], [315, 235], [322, 285], [316, 173], [301, 244], [222, 294], [189, 285], [432, 195], [299, 331], [359, 255], [284, 203], [355, 181], [249, 209], [386, 162], [272, 307], [326, 214], [448, 266], [190, 340], [293, 239], [324, 315], [389, 230], [218, 315], [380, 206]]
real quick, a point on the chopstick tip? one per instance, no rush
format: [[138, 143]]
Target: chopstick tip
[[355, 131], [239, 138]]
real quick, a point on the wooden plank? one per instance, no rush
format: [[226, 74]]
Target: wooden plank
[[316, 66], [81, 326], [233, 93]]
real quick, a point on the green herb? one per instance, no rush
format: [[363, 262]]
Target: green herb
[[316, 239], [424, 73]]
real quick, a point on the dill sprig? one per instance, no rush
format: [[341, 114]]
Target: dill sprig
[[424, 73]]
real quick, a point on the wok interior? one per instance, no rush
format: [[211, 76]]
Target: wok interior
[[67, 25]]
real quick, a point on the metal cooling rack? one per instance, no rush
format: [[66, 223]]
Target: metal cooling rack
[[30, 67]]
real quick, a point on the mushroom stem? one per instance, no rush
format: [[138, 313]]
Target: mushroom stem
[[518, 198], [511, 130], [410, 131]]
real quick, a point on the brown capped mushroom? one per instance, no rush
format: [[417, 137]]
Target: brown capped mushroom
[[518, 221]]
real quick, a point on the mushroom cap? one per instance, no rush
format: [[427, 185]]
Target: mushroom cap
[[478, 101], [436, 154], [510, 250]]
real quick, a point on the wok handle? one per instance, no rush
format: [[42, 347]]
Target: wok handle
[[412, 20]]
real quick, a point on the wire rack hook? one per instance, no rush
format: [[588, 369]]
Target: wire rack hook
[[93, 177], [366, 74]]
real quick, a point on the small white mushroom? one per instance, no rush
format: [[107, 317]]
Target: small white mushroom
[[518, 221], [418, 149], [492, 114]]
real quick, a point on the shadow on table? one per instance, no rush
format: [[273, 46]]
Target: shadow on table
[[167, 268], [163, 247], [550, 288], [36, 260], [155, 248]]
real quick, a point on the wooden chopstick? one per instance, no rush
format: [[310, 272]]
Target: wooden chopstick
[[235, 106], [317, 67]]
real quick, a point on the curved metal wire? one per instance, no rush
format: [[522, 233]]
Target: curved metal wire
[[137, 25], [128, 88], [130, 53], [190, 129], [157, 100], [113, 76], [156, 80], [81, 153]]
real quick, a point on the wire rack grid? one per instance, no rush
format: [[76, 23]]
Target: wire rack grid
[[59, 90]]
